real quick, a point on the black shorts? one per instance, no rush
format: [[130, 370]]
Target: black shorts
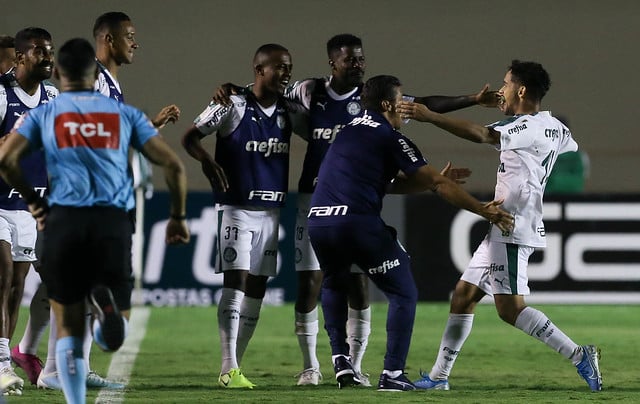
[[84, 247]]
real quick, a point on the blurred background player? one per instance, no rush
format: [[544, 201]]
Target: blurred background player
[[7, 54], [87, 219], [529, 141], [570, 172], [249, 178], [345, 226], [332, 103], [19, 93]]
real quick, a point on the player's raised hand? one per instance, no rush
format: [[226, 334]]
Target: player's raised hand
[[215, 174], [224, 92], [497, 216], [170, 113], [413, 110], [456, 174], [487, 98]]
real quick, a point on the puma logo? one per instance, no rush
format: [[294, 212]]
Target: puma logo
[[323, 106]]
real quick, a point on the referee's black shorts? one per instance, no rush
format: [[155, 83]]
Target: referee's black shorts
[[83, 247]]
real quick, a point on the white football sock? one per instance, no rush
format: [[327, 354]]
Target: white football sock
[[88, 338], [50, 363], [538, 325], [307, 332], [37, 323], [358, 330], [249, 316], [455, 334], [5, 353], [228, 320]]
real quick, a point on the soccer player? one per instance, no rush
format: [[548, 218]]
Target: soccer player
[[369, 156], [7, 54], [332, 103], [529, 141], [19, 93], [249, 177], [86, 137]]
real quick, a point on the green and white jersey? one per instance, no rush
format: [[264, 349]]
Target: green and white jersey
[[529, 146]]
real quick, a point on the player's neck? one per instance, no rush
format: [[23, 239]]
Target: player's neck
[[76, 85], [264, 97], [28, 84], [340, 87], [109, 63]]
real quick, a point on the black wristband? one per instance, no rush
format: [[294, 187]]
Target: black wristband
[[178, 217]]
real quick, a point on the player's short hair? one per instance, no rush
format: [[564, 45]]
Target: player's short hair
[[109, 21], [341, 40], [378, 89], [7, 41], [266, 50], [23, 37], [75, 58], [531, 75]]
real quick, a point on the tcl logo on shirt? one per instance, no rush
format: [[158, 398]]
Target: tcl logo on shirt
[[94, 130]]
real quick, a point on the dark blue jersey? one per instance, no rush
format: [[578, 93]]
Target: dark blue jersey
[[358, 168], [329, 113], [252, 148], [33, 164], [105, 84]]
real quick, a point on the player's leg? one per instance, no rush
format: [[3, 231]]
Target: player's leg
[[511, 307], [233, 261], [24, 354], [306, 306], [10, 382], [263, 264], [470, 289], [387, 264], [72, 371], [332, 246], [359, 322]]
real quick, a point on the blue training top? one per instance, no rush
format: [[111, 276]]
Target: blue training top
[[86, 137], [358, 168]]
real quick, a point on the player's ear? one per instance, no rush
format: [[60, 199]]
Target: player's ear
[[108, 38], [258, 69], [522, 91], [386, 106]]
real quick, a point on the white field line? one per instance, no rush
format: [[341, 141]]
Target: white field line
[[123, 360]]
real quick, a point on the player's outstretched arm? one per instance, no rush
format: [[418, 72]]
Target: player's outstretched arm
[[459, 127], [170, 113], [443, 104], [159, 152], [447, 189]]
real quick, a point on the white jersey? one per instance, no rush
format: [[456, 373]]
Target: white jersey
[[529, 146]]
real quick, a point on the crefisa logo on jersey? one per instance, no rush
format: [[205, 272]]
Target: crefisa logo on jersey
[[353, 108], [386, 265]]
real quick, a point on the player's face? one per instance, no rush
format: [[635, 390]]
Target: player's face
[[124, 43], [276, 71], [395, 119], [38, 59], [348, 65], [7, 59], [509, 95]]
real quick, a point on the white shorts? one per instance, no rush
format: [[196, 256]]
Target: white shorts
[[247, 239], [305, 257], [18, 228], [499, 268]]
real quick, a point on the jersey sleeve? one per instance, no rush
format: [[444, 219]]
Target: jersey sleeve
[[567, 144], [28, 126], [223, 119], [301, 91], [406, 154], [515, 133]]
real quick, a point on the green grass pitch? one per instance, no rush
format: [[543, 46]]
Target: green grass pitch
[[179, 360]]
